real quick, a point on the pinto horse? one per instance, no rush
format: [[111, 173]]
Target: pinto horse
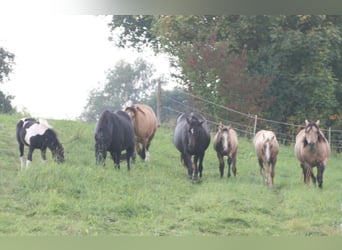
[[226, 144], [192, 138], [266, 148], [37, 135], [145, 126], [114, 133], [312, 149]]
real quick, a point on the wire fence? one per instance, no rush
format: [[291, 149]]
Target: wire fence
[[245, 124]]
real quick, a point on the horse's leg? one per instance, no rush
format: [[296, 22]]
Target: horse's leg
[[233, 161], [313, 176], [43, 154], [229, 163], [187, 162], [195, 174], [221, 164], [262, 169], [320, 171], [201, 157], [129, 154], [29, 156], [272, 174], [116, 159], [21, 155]]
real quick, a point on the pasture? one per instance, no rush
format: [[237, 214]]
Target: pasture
[[156, 198]]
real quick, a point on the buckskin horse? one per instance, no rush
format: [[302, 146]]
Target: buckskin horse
[[145, 126], [312, 149], [226, 144], [266, 148]]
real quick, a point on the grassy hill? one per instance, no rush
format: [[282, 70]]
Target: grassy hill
[[156, 198]]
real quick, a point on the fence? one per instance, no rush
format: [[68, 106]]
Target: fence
[[245, 124]]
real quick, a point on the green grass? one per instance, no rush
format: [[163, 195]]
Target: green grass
[[156, 198]]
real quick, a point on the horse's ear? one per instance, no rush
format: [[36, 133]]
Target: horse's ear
[[220, 126], [188, 120], [317, 122], [306, 122], [201, 122]]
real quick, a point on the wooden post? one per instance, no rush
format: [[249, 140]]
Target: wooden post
[[159, 102], [329, 135], [255, 124]]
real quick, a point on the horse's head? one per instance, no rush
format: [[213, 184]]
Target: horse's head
[[100, 150], [311, 133], [58, 153], [194, 131]]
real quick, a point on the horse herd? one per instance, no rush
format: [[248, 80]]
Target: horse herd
[[133, 129]]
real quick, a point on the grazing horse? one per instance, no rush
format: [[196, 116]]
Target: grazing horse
[[145, 126], [114, 132], [192, 138], [37, 135], [266, 148], [312, 149], [226, 144]]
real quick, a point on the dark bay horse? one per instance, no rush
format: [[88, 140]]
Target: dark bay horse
[[192, 138], [37, 135], [145, 126], [226, 144], [266, 148], [114, 132], [312, 149]]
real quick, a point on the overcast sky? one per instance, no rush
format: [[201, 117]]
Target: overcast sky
[[59, 59]]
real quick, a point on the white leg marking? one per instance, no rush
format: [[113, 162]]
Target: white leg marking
[[22, 163], [28, 163], [147, 157]]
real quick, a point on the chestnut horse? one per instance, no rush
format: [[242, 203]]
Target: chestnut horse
[[266, 148], [312, 149], [226, 144], [145, 126]]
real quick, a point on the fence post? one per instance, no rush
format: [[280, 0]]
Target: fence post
[[255, 124], [159, 102], [329, 135]]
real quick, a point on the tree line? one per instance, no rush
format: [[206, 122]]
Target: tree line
[[286, 68]]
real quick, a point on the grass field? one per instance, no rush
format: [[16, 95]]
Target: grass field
[[156, 198]]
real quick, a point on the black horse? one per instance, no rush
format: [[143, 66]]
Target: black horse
[[114, 133], [37, 135], [192, 138]]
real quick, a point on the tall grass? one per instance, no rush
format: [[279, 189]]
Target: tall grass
[[156, 197]]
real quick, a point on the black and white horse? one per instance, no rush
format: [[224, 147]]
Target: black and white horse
[[37, 135], [114, 133]]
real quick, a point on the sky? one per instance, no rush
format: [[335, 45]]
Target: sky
[[59, 59]]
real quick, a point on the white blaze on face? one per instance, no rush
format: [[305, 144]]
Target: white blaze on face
[[225, 141], [35, 129]]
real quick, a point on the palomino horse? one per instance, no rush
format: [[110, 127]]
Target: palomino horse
[[192, 138], [145, 126], [312, 149], [37, 135], [266, 148], [114, 133], [226, 144]]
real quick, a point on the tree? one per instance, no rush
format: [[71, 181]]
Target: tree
[[125, 83], [302, 54], [6, 67]]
